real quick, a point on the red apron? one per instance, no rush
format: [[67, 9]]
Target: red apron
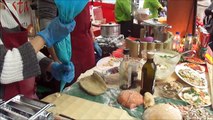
[[27, 86], [82, 44]]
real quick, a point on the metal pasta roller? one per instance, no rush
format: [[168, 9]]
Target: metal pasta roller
[[20, 107]]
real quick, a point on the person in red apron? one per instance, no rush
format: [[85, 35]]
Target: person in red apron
[[83, 44], [82, 39], [19, 62]]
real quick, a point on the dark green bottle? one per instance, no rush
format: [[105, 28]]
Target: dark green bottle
[[148, 75]]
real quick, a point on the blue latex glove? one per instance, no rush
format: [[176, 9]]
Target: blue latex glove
[[98, 50], [69, 9], [63, 72], [56, 31]]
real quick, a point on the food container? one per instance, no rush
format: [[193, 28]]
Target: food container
[[142, 14], [110, 30], [171, 89], [166, 62]]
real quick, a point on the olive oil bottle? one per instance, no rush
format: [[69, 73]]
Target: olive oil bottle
[[148, 75]]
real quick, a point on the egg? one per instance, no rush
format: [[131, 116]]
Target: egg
[[194, 98], [187, 96]]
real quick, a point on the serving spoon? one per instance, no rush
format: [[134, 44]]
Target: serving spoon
[[184, 53]]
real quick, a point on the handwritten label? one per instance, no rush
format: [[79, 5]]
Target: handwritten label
[[21, 6]]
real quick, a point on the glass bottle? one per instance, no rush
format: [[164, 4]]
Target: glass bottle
[[176, 41], [148, 75], [134, 73], [195, 42], [188, 42], [124, 71], [181, 46], [143, 50]]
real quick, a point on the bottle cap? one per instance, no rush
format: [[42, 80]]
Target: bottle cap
[[126, 51], [177, 32], [150, 55], [189, 34], [203, 48]]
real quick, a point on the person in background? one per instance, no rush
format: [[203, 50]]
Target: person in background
[[84, 44], [201, 6], [46, 10], [208, 23], [123, 16], [154, 7], [22, 63], [163, 12]]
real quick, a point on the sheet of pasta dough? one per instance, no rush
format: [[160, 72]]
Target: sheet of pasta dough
[[78, 108]]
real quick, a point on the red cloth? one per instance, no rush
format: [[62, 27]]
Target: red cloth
[[83, 55]]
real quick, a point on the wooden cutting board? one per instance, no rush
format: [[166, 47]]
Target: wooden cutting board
[[78, 108]]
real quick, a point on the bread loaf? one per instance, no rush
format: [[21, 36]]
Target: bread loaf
[[148, 100], [162, 112], [130, 99]]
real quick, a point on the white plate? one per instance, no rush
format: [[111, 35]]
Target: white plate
[[107, 63], [202, 68], [181, 67], [180, 94]]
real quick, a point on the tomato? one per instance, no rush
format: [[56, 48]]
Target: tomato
[[202, 94]]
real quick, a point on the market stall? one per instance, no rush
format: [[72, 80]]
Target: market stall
[[110, 96], [183, 80], [157, 74], [75, 102]]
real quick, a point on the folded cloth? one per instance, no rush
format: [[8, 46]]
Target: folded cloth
[[69, 9]]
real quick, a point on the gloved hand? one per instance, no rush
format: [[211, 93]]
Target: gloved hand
[[98, 50], [69, 9], [63, 72], [56, 31]]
